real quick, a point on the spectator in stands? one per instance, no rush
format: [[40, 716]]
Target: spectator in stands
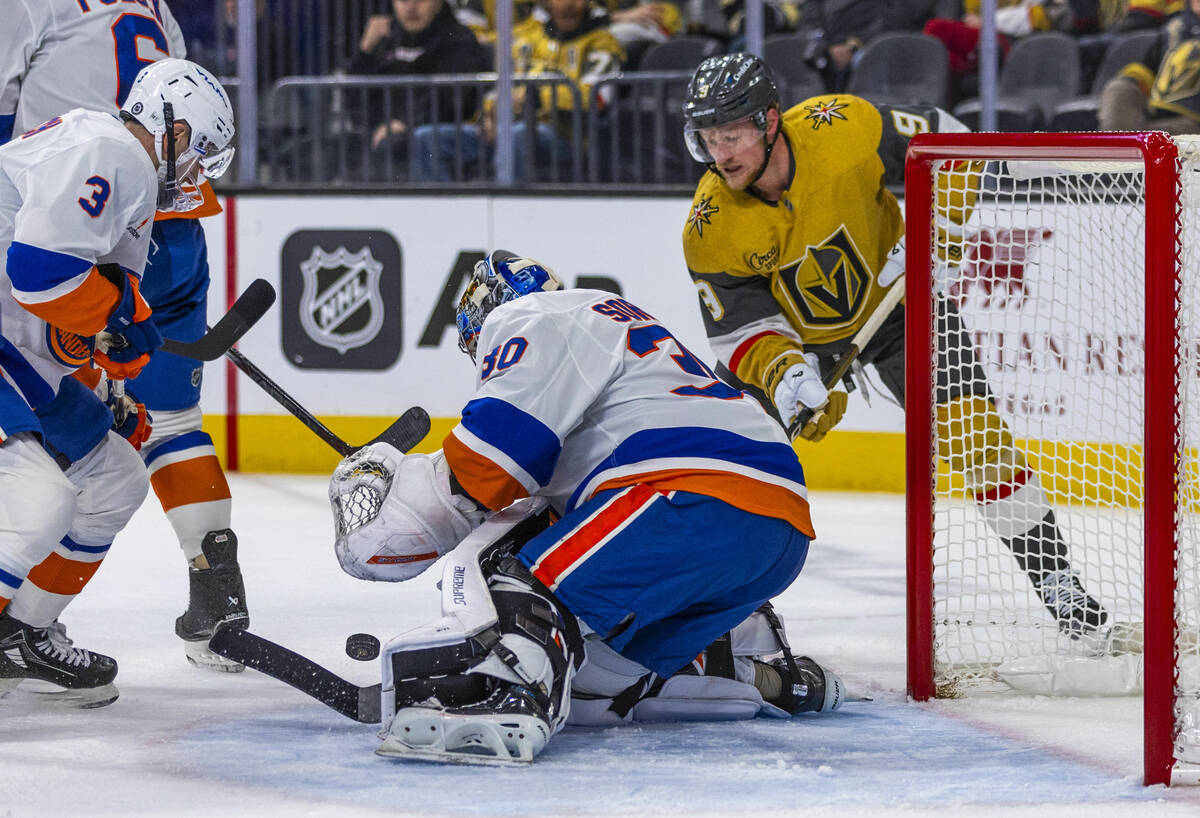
[[575, 44], [418, 37], [839, 28], [1119, 16], [638, 24], [1014, 19], [480, 17], [289, 43], [1139, 99]]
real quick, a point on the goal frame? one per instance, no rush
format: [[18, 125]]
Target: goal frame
[[1159, 157]]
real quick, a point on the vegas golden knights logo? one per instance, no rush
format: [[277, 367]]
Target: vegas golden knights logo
[[830, 284]]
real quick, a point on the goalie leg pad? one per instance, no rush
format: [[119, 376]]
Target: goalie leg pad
[[490, 681], [611, 689]]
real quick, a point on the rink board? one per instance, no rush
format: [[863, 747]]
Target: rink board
[[364, 323]]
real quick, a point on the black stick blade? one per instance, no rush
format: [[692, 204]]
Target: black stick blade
[[289, 667], [406, 431], [250, 306]]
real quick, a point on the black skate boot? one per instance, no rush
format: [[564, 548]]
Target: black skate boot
[[1076, 612], [46, 656], [216, 599], [799, 685]]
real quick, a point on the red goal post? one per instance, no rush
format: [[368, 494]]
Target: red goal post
[[1063, 218]]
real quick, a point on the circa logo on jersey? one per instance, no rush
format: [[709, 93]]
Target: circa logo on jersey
[[701, 215], [346, 312], [762, 262], [829, 285], [823, 113]]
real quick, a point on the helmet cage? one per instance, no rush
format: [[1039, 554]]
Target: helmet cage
[[496, 280]]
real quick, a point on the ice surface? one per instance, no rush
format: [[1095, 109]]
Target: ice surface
[[182, 741]]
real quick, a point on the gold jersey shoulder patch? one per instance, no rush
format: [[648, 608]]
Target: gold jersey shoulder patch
[[701, 215], [825, 111]]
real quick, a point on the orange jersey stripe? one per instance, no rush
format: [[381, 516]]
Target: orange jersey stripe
[[486, 482], [209, 207], [84, 310], [59, 575], [563, 555], [741, 492], [196, 480]]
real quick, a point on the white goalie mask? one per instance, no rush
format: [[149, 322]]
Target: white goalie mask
[[174, 90]]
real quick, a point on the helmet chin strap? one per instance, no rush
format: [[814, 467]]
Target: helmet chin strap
[[766, 154], [766, 157], [170, 186]]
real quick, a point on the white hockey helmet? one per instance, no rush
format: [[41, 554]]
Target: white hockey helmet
[[174, 90]]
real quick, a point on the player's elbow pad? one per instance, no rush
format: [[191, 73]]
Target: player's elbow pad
[[394, 514], [63, 290]]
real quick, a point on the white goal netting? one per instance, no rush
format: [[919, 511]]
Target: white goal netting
[[1051, 292]]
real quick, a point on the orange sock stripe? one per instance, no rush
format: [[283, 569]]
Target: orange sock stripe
[[197, 480], [59, 575]]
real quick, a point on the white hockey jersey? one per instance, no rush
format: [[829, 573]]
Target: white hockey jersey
[[56, 55], [580, 391], [78, 191]]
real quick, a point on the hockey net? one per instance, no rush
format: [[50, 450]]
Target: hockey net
[[1072, 260]]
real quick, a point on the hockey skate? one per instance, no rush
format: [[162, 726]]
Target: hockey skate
[[1078, 615], [216, 599], [799, 685], [47, 659], [508, 727]]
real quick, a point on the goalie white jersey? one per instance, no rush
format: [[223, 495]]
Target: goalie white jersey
[[56, 55], [580, 391]]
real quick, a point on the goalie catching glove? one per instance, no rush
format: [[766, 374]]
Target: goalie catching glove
[[394, 514], [801, 388]]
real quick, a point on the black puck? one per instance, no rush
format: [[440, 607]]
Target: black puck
[[362, 646]]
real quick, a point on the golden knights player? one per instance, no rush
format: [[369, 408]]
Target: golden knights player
[[1137, 99], [792, 241]]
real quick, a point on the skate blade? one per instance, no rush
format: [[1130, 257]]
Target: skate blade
[[421, 734], [199, 654], [82, 698]]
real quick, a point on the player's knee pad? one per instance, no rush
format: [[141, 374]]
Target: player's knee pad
[[112, 484], [503, 639]]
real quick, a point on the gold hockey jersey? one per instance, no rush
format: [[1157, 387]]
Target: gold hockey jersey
[[774, 276]]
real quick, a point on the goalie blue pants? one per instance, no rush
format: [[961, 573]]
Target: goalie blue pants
[[660, 575]]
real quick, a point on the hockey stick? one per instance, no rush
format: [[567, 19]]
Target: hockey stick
[[359, 703], [405, 432], [861, 338], [250, 306]]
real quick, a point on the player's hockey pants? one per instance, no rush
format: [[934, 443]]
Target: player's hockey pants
[[660, 575]]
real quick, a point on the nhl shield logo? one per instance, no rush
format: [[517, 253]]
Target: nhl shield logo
[[340, 305], [342, 299]]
